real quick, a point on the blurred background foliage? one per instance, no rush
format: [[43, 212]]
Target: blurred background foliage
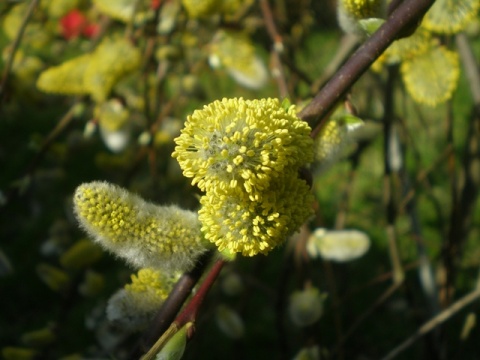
[[51, 142]]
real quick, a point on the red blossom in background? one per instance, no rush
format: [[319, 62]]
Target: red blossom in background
[[155, 4], [90, 30], [75, 24]]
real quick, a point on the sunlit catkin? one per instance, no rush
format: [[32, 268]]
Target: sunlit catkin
[[143, 234]]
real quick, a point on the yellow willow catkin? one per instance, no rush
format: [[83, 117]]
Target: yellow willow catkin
[[242, 143], [133, 307], [246, 155], [142, 233], [237, 224]]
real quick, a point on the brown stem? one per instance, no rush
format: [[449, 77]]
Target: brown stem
[[405, 17], [348, 43], [16, 43], [189, 313], [277, 49], [167, 313], [270, 24]]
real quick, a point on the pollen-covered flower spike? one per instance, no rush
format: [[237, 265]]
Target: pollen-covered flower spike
[[235, 223], [143, 234], [335, 135], [363, 9], [242, 143], [135, 305]]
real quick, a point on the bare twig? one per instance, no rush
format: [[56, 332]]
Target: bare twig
[[270, 24], [15, 45], [434, 322], [347, 45], [277, 48], [52, 136]]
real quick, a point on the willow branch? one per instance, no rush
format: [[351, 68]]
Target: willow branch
[[189, 313], [348, 43], [167, 313], [270, 24], [402, 20]]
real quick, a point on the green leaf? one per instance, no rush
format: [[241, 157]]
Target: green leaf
[[350, 121], [370, 25], [175, 347], [286, 104]]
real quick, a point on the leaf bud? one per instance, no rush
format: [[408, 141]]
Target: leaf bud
[[81, 255], [306, 306], [40, 337], [55, 278], [229, 322]]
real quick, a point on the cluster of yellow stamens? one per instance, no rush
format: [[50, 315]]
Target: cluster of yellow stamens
[[245, 155], [134, 306]]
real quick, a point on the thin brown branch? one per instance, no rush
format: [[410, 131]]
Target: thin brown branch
[[434, 322], [167, 313], [189, 313], [277, 48], [270, 25], [347, 44], [15, 45], [403, 19]]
